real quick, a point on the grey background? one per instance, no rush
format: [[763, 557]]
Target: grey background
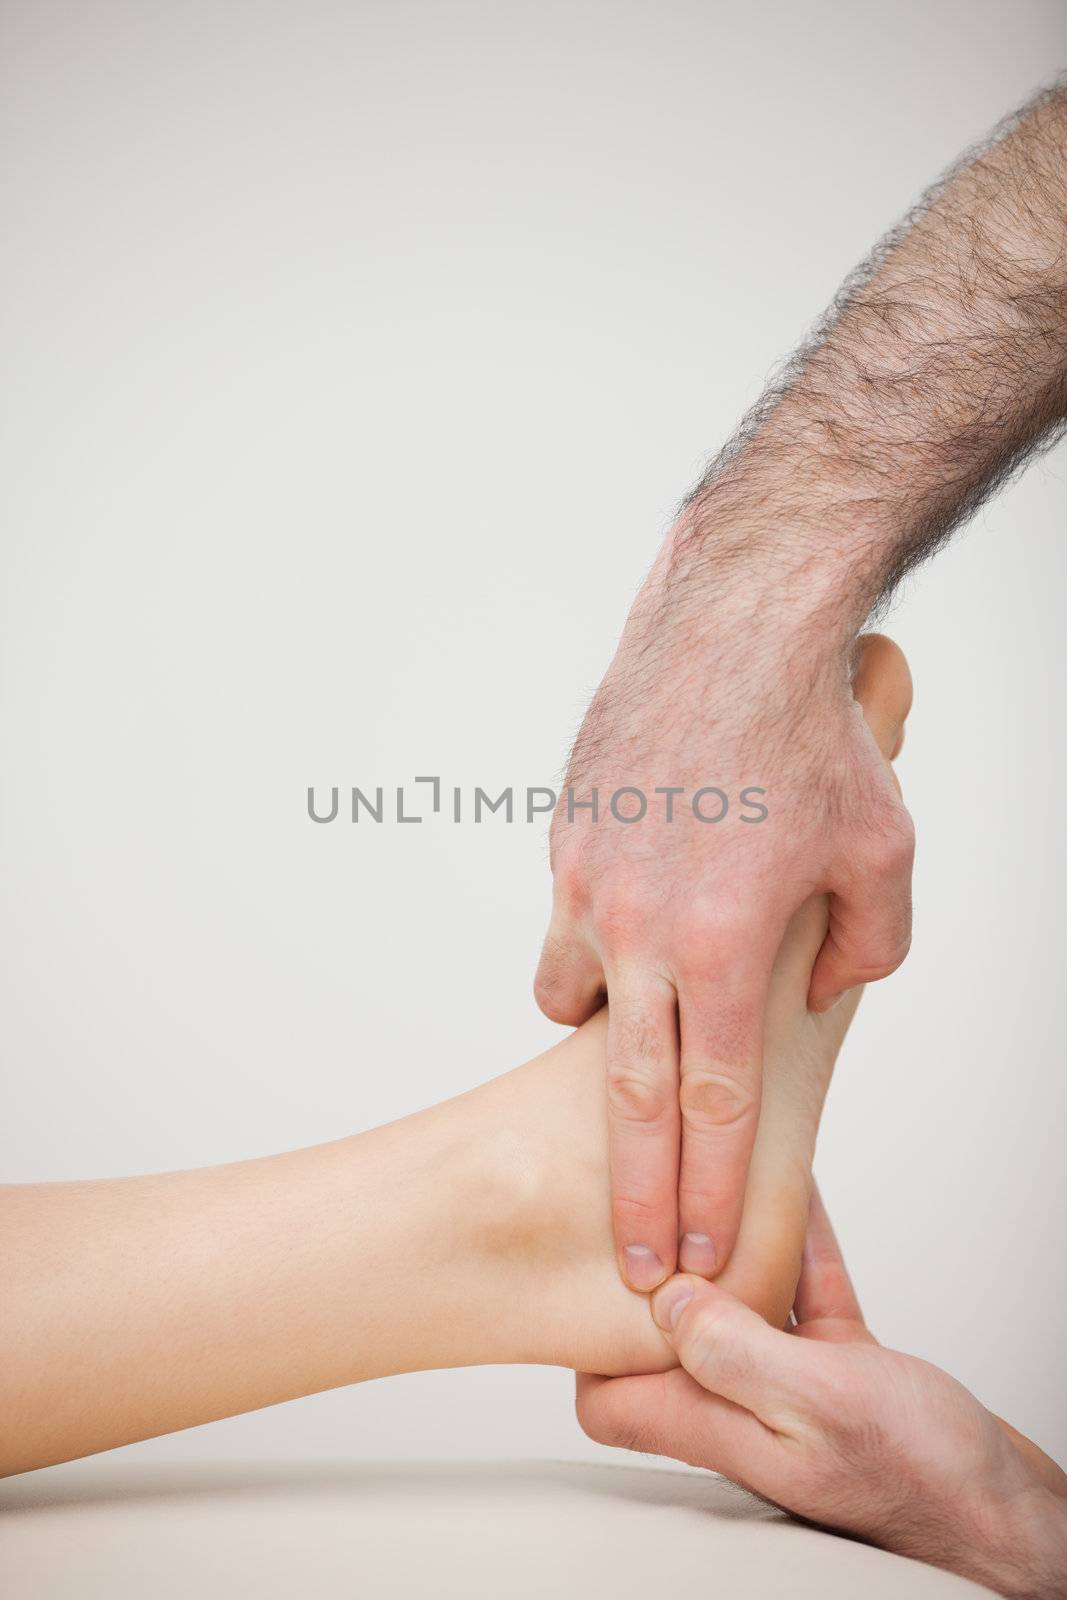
[[354, 358]]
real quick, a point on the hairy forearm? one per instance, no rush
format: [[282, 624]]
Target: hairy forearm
[[940, 367]]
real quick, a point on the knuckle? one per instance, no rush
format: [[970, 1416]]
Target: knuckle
[[567, 974], [719, 1369], [620, 911], [570, 881], [698, 920], [636, 1095], [709, 939], [547, 995], [629, 1207], [718, 1362], [885, 965], [601, 1422], [697, 917], [550, 978], [713, 1101], [890, 848], [593, 1418]]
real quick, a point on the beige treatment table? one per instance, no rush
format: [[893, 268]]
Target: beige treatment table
[[102, 1530]]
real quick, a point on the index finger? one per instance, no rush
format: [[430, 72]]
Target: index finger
[[642, 1082]]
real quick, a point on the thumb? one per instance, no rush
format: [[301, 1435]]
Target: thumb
[[869, 927], [732, 1352], [870, 904], [569, 985]]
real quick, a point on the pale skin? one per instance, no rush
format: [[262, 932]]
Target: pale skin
[[480, 1231], [477, 1231], [941, 366], [824, 1421]]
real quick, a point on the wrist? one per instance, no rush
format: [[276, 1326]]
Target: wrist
[[1022, 1551], [1043, 1545], [787, 540], [722, 603]]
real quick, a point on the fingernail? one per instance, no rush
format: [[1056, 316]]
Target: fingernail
[[642, 1267], [669, 1304], [829, 1003], [696, 1253]]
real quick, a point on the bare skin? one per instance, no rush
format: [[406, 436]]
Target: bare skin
[[477, 1231], [942, 364], [825, 1421]]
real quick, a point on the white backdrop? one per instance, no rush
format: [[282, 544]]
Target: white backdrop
[[354, 358]]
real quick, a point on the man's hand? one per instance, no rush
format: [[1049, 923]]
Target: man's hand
[[826, 1423], [680, 918], [940, 366]]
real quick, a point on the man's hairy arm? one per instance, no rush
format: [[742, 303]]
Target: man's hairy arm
[[940, 367]]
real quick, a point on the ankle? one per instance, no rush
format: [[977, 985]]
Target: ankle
[[539, 1199], [500, 1219]]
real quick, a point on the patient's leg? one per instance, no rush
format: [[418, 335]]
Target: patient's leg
[[478, 1231]]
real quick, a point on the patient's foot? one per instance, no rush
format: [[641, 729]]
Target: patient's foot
[[479, 1230], [547, 1235]]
